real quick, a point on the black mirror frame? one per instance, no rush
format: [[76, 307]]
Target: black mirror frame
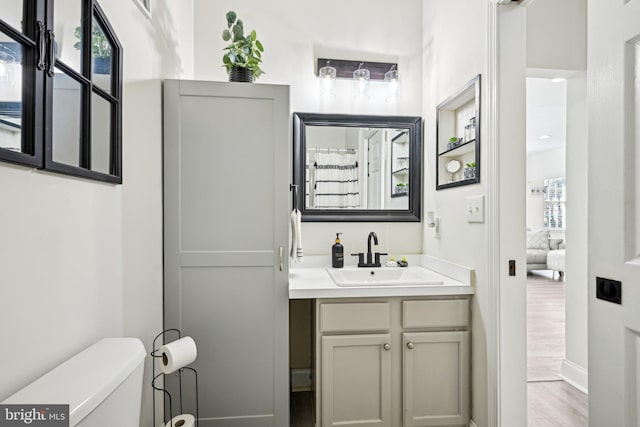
[[412, 123]]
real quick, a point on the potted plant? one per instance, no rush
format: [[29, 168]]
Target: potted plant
[[244, 55], [470, 170], [454, 141], [100, 49], [402, 188]]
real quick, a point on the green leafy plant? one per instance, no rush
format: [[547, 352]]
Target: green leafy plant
[[402, 184], [471, 165], [100, 46], [454, 139], [244, 51]]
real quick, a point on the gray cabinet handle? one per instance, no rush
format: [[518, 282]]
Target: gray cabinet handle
[[387, 346], [281, 261], [410, 345]]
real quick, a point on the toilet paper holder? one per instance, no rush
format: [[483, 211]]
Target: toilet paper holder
[[166, 394]]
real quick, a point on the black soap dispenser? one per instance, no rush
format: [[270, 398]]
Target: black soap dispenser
[[337, 253]]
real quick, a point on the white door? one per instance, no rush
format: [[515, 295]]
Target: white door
[[614, 211], [374, 186]]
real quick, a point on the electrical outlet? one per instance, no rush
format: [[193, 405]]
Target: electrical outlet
[[475, 209]]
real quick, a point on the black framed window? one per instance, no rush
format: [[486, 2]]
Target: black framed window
[[71, 111], [22, 65]]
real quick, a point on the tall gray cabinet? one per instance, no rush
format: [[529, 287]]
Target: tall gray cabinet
[[226, 192]]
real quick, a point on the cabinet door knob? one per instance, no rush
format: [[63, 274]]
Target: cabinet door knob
[[410, 345], [387, 346]]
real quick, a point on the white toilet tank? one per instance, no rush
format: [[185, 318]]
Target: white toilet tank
[[102, 385]]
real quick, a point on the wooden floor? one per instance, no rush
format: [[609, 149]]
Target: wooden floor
[[551, 402], [301, 409]]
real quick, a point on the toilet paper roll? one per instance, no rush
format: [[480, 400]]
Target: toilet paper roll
[[177, 354], [182, 420]]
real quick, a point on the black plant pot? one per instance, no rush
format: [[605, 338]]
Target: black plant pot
[[241, 74]]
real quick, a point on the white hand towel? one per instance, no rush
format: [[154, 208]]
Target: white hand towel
[[296, 237]]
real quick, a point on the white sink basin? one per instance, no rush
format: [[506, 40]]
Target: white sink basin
[[383, 276]]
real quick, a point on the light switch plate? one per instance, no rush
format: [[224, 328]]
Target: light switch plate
[[475, 209]]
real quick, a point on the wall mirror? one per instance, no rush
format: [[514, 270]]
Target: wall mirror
[[458, 138], [356, 167]]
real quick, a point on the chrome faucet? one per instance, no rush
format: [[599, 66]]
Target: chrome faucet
[[373, 260]]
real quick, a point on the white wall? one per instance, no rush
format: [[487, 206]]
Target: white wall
[[574, 367], [541, 166], [454, 49], [556, 34], [294, 34], [82, 260]]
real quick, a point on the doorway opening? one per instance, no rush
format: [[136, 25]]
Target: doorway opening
[[553, 398]]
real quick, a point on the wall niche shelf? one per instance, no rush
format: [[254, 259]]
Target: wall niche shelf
[[458, 117]]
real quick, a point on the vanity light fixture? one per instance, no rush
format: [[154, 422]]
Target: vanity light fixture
[[543, 137], [558, 80], [391, 77], [327, 76], [361, 73], [361, 80]]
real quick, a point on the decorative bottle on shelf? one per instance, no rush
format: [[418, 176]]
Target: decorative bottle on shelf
[[472, 129]]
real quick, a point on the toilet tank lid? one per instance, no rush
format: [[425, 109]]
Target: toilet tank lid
[[86, 379]]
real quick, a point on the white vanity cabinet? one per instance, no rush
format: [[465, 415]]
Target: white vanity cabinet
[[392, 362]]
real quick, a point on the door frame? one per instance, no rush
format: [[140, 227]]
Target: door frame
[[506, 324]]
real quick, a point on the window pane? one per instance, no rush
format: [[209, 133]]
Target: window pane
[[67, 101], [10, 94], [101, 54], [11, 13], [100, 134], [67, 27]]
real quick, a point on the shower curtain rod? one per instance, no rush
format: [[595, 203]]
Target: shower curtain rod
[[336, 150]]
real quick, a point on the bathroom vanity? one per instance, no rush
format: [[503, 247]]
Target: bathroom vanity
[[388, 355]]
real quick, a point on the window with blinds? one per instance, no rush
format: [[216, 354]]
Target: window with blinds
[[555, 203]]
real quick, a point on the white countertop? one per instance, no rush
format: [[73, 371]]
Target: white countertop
[[315, 282]]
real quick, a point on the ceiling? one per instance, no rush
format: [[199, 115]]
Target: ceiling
[[546, 114]]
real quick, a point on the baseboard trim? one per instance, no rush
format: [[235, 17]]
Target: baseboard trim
[[575, 375], [301, 379], [472, 424]]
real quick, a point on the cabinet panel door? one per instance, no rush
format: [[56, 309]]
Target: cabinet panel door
[[356, 380], [436, 378], [226, 217]]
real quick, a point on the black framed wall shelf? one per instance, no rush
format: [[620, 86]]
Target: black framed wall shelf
[[61, 89], [458, 137]]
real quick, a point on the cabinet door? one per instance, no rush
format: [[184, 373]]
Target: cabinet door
[[226, 216], [356, 380], [436, 378]]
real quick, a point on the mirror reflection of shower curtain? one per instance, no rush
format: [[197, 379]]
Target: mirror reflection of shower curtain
[[336, 180]]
